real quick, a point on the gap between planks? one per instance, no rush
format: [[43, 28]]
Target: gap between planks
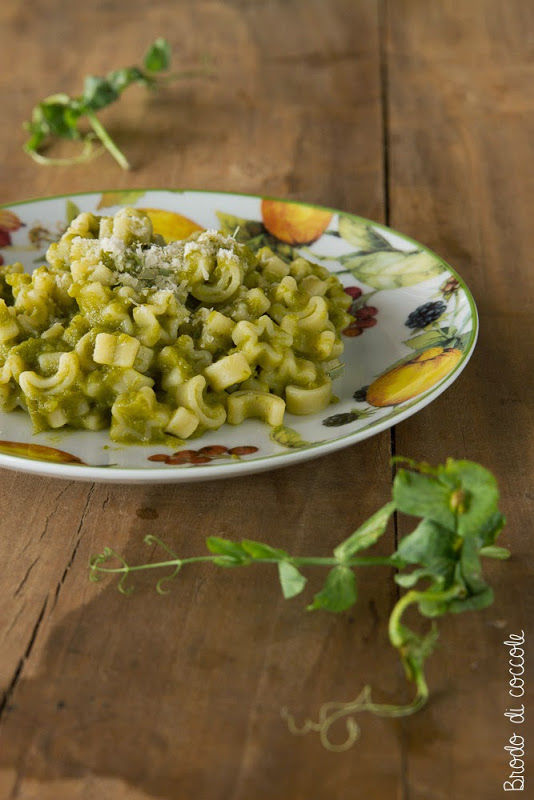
[[385, 119]]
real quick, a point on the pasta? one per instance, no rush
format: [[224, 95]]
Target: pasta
[[161, 340]]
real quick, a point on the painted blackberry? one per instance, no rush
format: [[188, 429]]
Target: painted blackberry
[[361, 394], [425, 314]]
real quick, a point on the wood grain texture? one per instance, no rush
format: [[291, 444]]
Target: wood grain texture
[[179, 696], [461, 120]]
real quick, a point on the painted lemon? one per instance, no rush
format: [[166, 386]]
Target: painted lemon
[[294, 223], [39, 452], [170, 225], [412, 378]]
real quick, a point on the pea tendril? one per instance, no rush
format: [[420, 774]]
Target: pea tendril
[[459, 521], [58, 116]]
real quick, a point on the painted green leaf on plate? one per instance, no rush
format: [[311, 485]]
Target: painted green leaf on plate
[[391, 269], [361, 234], [126, 197]]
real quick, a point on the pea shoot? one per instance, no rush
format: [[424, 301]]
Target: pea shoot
[[439, 563], [59, 115]]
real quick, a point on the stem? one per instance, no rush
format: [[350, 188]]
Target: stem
[[329, 713], [199, 72], [363, 561], [107, 141], [297, 561], [411, 597]]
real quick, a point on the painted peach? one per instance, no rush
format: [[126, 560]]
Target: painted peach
[[412, 378], [294, 223]]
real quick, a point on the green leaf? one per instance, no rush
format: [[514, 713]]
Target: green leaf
[[57, 117], [120, 79], [392, 269], [432, 547], [367, 534], [470, 566], [98, 93], [492, 551], [38, 133], [287, 437], [158, 56], [71, 211], [339, 591], [458, 501], [291, 580], [424, 496], [361, 234], [259, 550], [233, 554], [481, 496], [483, 599]]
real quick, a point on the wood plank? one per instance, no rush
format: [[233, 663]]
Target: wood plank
[[461, 120], [180, 695], [198, 678], [288, 111], [35, 548]]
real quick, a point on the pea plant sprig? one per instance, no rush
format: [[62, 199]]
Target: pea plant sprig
[[439, 563], [59, 115]]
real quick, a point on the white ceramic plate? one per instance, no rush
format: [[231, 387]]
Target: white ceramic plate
[[392, 369]]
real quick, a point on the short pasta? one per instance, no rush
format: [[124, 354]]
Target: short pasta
[[156, 340]]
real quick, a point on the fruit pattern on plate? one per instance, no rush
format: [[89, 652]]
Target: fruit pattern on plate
[[437, 337]]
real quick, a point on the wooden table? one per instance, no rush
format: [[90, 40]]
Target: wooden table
[[414, 113]]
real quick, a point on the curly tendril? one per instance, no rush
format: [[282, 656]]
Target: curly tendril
[[331, 712]]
